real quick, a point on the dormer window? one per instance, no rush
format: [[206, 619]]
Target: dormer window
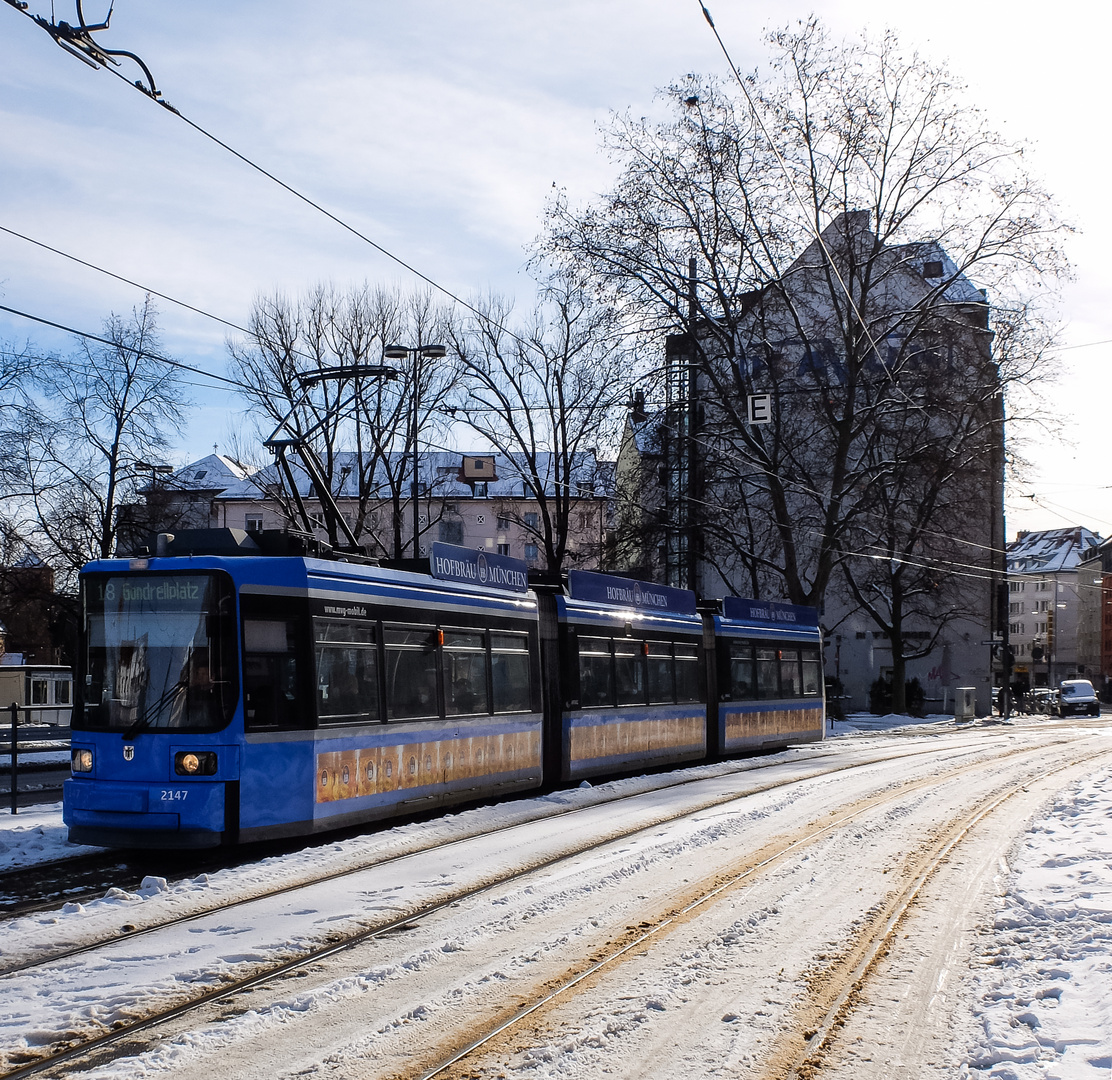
[[200, 475], [932, 269]]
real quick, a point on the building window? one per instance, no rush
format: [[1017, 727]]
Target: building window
[[503, 521], [503, 549], [932, 269], [584, 490], [480, 489], [531, 520], [531, 553], [584, 522], [451, 532], [253, 523]]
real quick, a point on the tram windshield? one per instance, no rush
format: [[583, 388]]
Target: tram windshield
[[159, 653]]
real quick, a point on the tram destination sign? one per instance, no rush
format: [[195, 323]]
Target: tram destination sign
[[626, 592], [742, 609], [471, 566], [153, 592]]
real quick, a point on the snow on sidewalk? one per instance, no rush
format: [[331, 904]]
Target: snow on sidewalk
[[35, 835], [1042, 991]]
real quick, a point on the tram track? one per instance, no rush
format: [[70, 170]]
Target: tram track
[[835, 994], [106, 1045], [131, 929], [832, 994], [79, 878]]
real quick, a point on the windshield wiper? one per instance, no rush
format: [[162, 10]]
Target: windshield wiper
[[144, 721]]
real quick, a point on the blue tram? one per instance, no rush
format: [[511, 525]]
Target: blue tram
[[229, 691]]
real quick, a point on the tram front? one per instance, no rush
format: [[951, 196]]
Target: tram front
[[155, 752]]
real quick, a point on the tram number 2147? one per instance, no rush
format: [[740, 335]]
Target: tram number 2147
[[173, 795]]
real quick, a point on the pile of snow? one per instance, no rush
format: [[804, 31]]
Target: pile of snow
[[1043, 988], [855, 722]]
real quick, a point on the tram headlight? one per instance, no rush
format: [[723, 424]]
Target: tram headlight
[[195, 763], [81, 761]]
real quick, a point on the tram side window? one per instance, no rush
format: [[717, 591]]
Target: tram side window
[[812, 673], [347, 671], [791, 682], [270, 674], [465, 668], [688, 681], [596, 683], [410, 673], [658, 664], [629, 672], [768, 676], [743, 679], [509, 660]]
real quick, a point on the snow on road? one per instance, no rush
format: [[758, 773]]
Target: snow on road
[[1037, 990], [1041, 993]]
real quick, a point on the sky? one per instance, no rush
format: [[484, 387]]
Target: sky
[[439, 130]]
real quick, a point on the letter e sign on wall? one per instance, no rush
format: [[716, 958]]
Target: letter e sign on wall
[[760, 408]]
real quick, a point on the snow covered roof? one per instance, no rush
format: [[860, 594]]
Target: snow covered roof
[[212, 473], [440, 470], [1049, 550]]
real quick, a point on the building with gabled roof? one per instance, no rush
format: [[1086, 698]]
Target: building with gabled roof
[[715, 496], [470, 498], [1048, 600]]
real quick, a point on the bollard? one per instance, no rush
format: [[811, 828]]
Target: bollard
[[15, 753]]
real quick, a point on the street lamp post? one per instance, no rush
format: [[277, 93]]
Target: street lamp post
[[414, 355]]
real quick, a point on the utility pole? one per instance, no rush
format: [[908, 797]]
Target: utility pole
[[693, 494]]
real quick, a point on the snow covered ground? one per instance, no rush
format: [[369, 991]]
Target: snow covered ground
[[1037, 989], [1042, 990], [35, 835]]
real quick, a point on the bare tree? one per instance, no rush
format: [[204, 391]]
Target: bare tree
[[838, 210], [362, 427], [94, 420], [546, 397]]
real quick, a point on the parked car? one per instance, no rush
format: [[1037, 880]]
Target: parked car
[[1076, 697]]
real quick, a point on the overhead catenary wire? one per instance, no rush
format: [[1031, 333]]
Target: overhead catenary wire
[[356, 232], [967, 570], [116, 344], [241, 386], [953, 566], [157, 98]]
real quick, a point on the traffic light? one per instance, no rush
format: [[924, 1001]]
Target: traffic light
[[1050, 633]]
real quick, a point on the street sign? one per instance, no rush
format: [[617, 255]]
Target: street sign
[[760, 408]]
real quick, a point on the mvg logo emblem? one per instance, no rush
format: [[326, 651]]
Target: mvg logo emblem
[[129, 753]]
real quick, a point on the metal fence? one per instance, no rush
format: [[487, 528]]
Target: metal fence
[[32, 714]]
